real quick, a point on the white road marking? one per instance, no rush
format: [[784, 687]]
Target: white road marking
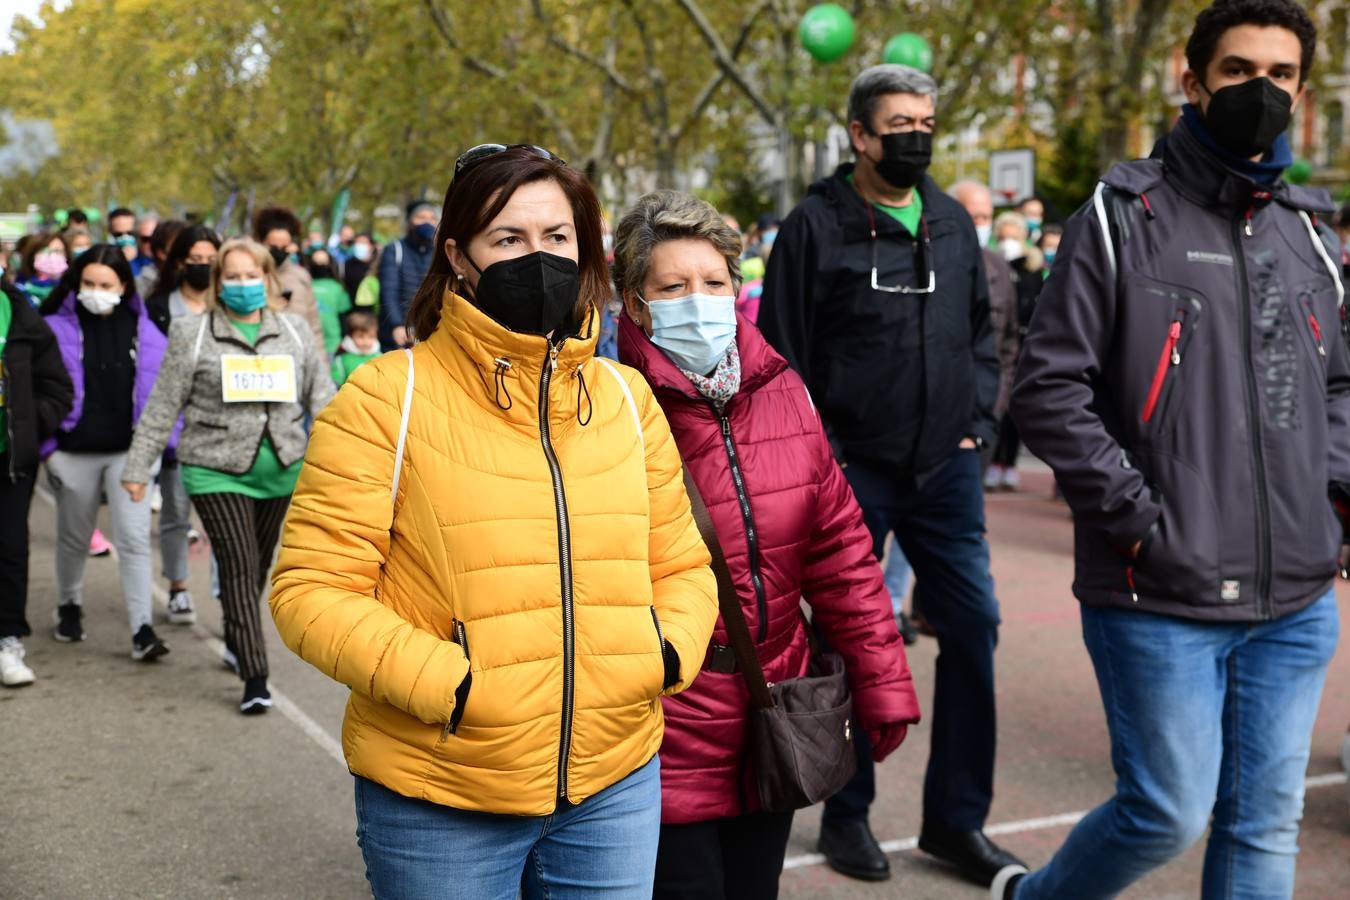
[[280, 702], [1044, 822]]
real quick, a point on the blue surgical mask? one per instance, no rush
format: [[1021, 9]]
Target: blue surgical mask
[[244, 297], [1033, 224], [694, 331]]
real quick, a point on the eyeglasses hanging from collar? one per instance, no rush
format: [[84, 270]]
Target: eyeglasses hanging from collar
[[925, 253]]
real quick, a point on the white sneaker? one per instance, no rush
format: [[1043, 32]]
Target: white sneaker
[[181, 611], [1011, 480], [13, 672], [1005, 882], [993, 478]]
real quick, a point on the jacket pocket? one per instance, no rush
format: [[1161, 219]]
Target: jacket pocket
[[1181, 562], [660, 650], [1159, 400], [1314, 338], [461, 636]]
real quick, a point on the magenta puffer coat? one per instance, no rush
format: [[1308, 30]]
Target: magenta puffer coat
[[804, 539]]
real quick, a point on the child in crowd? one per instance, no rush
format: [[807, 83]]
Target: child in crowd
[[360, 343]]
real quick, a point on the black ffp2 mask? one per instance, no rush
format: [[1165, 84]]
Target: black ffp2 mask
[[532, 294], [197, 276], [905, 156], [1245, 119]]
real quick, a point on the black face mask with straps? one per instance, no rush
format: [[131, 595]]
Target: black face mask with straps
[[1245, 119], [905, 156], [533, 294]]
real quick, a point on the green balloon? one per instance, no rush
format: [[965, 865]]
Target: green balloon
[[1299, 172], [61, 217], [909, 49], [826, 32], [92, 214]]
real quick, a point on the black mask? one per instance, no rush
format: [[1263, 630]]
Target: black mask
[[197, 275], [1245, 119], [905, 157], [532, 294], [321, 272], [278, 255]]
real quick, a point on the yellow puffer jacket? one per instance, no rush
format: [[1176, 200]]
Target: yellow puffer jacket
[[555, 596]]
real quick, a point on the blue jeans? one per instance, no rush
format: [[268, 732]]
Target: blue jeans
[[896, 571], [940, 527], [603, 847], [1205, 719]]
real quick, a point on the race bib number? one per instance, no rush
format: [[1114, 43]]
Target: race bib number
[[257, 379]]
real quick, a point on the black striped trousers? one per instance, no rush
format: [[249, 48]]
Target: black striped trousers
[[243, 534]]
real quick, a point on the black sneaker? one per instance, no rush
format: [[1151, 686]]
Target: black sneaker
[[257, 700], [69, 627], [146, 645]]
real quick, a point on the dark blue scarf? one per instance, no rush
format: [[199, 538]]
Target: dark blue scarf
[[1267, 170]]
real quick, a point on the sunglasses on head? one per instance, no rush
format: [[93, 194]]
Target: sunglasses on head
[[483, 151]]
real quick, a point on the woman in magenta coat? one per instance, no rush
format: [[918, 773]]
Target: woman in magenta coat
[[789, 526]]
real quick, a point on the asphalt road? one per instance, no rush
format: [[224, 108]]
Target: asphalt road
[[124, 780]]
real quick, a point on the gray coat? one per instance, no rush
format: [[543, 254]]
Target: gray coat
[[219, 435], [1186, 377]]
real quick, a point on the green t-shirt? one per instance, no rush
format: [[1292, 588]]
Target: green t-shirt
[[266, 480], [333, 302], [6, 314], [907, 216], [345, 364]]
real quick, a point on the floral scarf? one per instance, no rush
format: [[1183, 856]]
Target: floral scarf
[[724, 382]]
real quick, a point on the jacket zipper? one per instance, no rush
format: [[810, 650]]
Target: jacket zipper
[[1317, 334], [1263, 536], [1170, 357], [751, 537], [461, 638], [565, 566], [661, 638]]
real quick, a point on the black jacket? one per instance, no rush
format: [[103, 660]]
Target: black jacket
[[1186, 377], [38, 391], [900, 379]]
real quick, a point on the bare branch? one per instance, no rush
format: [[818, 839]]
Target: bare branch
[[726, 63], [446, 26]]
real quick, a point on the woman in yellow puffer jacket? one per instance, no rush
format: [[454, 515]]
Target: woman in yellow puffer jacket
[[509, 608]]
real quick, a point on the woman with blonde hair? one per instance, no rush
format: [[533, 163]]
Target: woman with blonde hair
[[244, 375], [492, 546]]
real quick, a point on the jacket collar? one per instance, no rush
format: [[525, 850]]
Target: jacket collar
[[1200, 176], [760, 363], [502, 370], [225, 332], [852, 208]]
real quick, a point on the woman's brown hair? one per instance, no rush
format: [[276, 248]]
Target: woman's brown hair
[[478, 196]]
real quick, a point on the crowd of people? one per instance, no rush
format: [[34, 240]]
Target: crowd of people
[[671, 483]]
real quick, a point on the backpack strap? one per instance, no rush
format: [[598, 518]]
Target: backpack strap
[[398, 254], [291, 328], [1108, 236], [1326, 259], [201, 333], [628, 398], [402, 429]]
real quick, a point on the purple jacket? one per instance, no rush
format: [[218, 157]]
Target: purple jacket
[[150, 346]]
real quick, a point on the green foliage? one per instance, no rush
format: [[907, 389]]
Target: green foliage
[[179, 105]]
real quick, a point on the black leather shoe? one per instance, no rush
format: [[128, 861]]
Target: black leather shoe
[[850, 849], [976, 857]]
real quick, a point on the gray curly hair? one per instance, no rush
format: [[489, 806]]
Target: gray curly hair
[[669, 216]]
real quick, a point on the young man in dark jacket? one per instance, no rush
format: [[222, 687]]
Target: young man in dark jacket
[[1186, 376], [35, 395], [876, 294], [403, 265]]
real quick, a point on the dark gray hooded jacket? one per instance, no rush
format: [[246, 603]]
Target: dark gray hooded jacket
[[1186, 375]]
